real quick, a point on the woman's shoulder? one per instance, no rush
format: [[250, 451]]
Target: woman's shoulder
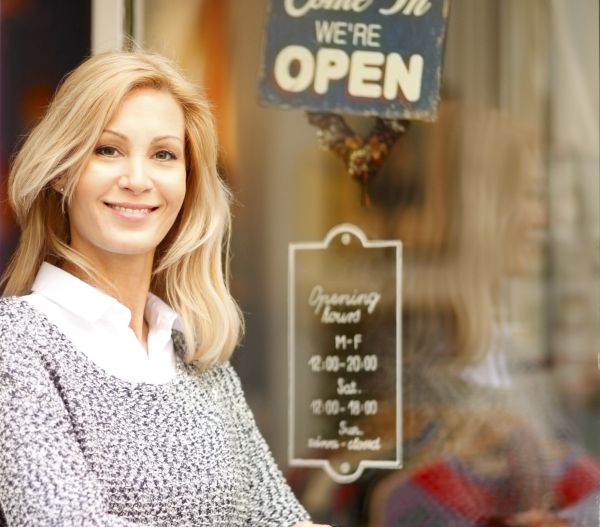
[[18, 349], [221, 376], [16, 315], [228, 375], [21, 325]]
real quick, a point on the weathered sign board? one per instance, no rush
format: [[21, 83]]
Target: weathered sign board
[[368, 57], [344, 353]]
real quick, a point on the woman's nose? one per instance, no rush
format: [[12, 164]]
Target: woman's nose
[[136, 177]]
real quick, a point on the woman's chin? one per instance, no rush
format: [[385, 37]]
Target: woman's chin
[[130, 249], [524, 263]]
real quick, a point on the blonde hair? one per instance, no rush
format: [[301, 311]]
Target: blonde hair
[[458, 237], [191, 264]]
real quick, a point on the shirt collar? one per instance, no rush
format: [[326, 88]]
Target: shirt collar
[[161, 315], [91, 304]]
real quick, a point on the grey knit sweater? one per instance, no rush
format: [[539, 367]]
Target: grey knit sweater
[[79, 447]]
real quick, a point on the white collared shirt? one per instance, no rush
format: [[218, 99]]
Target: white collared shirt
[[98, 325], [493, 371]]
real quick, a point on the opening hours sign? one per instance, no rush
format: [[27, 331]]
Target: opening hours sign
[[345, 353], [369, 57]]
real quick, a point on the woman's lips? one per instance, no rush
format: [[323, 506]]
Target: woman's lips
[[131, 211]]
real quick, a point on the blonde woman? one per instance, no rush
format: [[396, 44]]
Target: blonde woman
[[118, 406]]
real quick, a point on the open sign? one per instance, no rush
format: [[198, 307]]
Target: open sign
[[367, 74], [370, 57]]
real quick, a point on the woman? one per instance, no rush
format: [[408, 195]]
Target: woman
[[118, 404]]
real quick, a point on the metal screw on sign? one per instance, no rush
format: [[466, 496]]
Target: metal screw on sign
[[362, 156]]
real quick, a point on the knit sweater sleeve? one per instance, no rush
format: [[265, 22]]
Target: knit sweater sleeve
[[44, 479], [272, 502]]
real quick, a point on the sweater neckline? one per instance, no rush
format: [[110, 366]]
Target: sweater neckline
[[55, 333]]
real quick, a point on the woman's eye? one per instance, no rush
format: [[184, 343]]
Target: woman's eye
[[165, 155], [107, 151]]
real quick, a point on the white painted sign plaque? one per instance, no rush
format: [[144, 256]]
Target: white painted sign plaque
[[345, 353]]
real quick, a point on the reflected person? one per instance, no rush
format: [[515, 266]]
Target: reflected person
[[485, 442]]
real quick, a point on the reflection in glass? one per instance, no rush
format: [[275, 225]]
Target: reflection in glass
[[484, 440]]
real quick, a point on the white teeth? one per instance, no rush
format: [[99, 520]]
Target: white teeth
[[138, 212]]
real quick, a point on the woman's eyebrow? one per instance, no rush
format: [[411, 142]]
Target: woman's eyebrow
[[109, 131], [159, 138]]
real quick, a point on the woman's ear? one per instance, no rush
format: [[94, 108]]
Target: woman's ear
[[58, 184]]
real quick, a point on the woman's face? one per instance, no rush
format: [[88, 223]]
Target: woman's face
[[132, 189], [527, 221]]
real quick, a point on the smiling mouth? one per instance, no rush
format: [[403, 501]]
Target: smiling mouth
[[139, 211]]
